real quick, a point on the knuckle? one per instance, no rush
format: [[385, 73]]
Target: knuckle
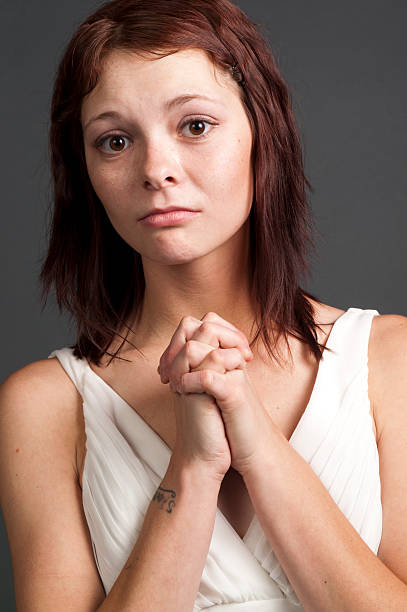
[[210, 316], [192, 320], [206, 326], [189, 348], [206, 377], [216, 356]]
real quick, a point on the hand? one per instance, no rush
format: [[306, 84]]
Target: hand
[[212, 360], [200, 432]]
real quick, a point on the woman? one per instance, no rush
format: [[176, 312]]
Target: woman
[[244, 473]]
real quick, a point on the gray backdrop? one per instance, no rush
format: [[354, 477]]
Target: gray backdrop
[[345, 63]]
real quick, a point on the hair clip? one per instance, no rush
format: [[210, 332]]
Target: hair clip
[[237, 74]]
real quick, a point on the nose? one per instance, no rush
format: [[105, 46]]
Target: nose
[[160, 168]]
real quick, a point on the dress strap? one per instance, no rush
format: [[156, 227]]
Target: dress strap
[[351, 342], [73, 366]]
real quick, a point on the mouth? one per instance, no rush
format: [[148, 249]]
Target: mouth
[[173, 217], [165, 211]]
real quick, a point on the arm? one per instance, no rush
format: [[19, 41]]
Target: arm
[[332, 568], [165, 567], [50, 545]]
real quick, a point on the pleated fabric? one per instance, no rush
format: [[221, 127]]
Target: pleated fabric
[[126, 461]]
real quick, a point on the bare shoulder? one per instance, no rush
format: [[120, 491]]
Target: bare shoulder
[[50, 544], [44, 374], [388, 326], [388, 390], [43, 395], [387, 360]]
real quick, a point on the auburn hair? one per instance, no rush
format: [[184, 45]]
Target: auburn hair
[[98, 277]]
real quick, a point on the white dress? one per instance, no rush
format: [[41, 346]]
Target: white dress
[[126, 461]]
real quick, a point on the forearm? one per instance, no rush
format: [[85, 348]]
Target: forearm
[[165, 567], [327, 563]]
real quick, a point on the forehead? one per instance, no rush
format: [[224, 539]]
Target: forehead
[[126, 75]]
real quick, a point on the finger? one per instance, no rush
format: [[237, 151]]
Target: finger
[[212, 316], [218, 360], [184, 332], [203, 381], [222, 336], [222, 361], [190, 356], [207, 381], [207, 332], [211, 336]]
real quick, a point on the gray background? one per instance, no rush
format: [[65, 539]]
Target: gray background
[[346, 68]]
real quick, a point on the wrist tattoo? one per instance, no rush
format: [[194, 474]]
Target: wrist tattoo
[[165, 496]]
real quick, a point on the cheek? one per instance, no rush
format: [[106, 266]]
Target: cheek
[[232, 175], [110, 185]]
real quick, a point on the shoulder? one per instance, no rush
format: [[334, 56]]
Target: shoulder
[[325, 317], [388, 326], [40, 495], [46, 379], [40, 397], [324, 314], [387, 362]]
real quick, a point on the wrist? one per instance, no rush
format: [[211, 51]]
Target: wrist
[[193, 471], [268, 455]]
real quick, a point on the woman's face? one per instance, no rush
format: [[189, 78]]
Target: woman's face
[[152, 149]]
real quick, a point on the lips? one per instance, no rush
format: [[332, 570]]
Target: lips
[[164, 210], [173, 217]]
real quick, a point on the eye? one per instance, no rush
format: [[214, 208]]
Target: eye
[[198, 124], [113, 140], [116, 142]]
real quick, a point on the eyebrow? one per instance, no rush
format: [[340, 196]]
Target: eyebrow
[[169, 104]]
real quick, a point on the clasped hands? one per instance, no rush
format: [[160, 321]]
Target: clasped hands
[[209, 356]]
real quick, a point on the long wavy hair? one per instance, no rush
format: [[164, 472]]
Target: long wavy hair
[[98, 277]]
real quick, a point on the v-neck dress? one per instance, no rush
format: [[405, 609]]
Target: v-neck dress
[[126, 460]]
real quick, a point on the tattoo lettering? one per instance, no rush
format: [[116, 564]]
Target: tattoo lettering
[[163, 496]]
